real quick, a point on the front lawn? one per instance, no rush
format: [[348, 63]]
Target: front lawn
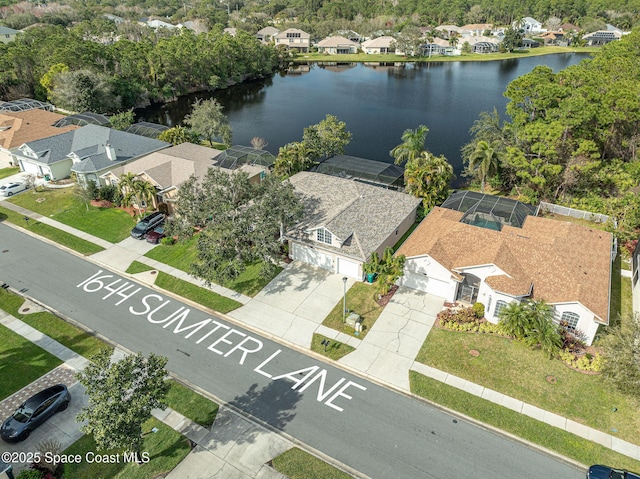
[[552, 438], [54, 234], [191, 404], [333, 350], [10, 171], [510, 367], [202, 296], [360, 300], [166, 449], [65, 333], [183, 254], [63, 205], [298, 464], [21, 362]]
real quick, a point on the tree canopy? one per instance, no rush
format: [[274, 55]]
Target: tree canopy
[[207, 119]]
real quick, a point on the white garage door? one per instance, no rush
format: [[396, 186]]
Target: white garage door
[[422, 282], [310, 256], [29, 167], [348, 268]]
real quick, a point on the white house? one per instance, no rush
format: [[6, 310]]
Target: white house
[[345, 221], [529, 25], [496, 252], [384, 44], [337, 45]]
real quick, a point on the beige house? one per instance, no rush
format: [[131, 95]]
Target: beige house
[[337, 45], [7, 34], [294, 38], [17, 128], [379, 45], [506, 254], [267, 34]]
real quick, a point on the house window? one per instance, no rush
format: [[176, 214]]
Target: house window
[[488, 308], [570, 319], [323, 236], [500, 305]]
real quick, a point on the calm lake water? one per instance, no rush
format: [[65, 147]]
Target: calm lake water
[[377, 102]]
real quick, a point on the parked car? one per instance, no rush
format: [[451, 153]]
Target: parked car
[[147, 224], [606, 472], [12, 188], [34, 411], [156, 235]]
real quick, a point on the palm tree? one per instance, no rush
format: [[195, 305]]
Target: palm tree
[[453, 42], [543, 332], [136, 192], [428, 177], [412, 144], [484, 160], [514, 320]]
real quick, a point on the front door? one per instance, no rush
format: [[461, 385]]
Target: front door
[[468, 289]]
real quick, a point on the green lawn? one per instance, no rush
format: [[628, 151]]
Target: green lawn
[[553, 438], [191, 404], [166, 449], [183, 254], [10, 171], [63, 205], [199, 295], [513, 369], [621, 297], [360, 300], [54, 234], [334, 350], [21, 362], [298, 464], [138, 267], [65, 333]]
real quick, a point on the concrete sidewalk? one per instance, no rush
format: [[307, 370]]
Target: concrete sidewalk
[[234, 448], [294, 304]]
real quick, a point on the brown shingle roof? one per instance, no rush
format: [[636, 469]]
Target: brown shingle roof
[[21, 127], [553, 260]]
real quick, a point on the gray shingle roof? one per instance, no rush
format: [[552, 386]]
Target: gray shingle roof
[[361, 215], [88, 143]]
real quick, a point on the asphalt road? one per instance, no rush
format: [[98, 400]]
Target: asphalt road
[[370, 428]]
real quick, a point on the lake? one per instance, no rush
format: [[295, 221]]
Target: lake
[[377, 102]]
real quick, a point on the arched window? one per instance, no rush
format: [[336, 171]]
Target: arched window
[[500, 305], [570, 319]]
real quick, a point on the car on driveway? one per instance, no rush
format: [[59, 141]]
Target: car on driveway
[[156, 235], [147, 224], [34, 411], [12, 188], [606, 472]]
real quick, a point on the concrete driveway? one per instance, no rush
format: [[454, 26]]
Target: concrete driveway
[[294, 303]]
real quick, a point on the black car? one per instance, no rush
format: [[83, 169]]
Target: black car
[[606, 472], [34, 411], [147, 224]]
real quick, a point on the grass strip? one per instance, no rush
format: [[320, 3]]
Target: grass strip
[[10, 171], [553, 438], [333, 350], [71, 336], [360, 300], [199, 295], [166, 448], [298, 464], [54, 234], [21, 362], [138, 267], [191, 404]]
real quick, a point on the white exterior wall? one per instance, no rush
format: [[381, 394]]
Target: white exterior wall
[[489, 313], [425, 274], [587, 326]]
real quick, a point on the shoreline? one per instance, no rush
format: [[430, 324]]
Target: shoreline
[[468, 57]]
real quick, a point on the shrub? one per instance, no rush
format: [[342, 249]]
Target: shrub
[[163, 208], [478, 310], [108, 193], [167, 240], [30, 474]]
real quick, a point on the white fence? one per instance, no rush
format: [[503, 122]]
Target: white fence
[[574, 213]]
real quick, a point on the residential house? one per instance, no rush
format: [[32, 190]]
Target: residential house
[[529, 25], [635, 282], [476, 29], [450, 30], [337, 45], [602, 37], [380, 45], [267, 34], [7, 34], [89, 152], [156, 24], [569, 27], [167, 169], [19, 127], [351, 35], [481, 44], [294, 39], [554, 38], [439, 46], [345, 221], [495, 251]]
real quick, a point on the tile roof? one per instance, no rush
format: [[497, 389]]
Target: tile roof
[[545, 258], [337, 41], [17, 128], [361, 215], [380, 42]]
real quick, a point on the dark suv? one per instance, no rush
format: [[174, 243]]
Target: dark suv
[[146, 224]]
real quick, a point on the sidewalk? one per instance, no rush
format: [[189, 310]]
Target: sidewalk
[[385, 355], [219, 452]]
